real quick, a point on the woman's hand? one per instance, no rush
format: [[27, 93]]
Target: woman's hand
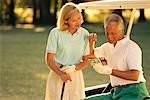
[[91, 56], [92, 37], [65, 77]]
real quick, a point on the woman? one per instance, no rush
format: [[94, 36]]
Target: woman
[[67, 47]]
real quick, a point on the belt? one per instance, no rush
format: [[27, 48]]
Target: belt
[[60, 65], [127, 85]]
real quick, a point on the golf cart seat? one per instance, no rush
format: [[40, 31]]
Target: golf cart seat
[[98, 89], [147, 98]]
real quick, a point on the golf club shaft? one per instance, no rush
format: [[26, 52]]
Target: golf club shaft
[[62, 91]]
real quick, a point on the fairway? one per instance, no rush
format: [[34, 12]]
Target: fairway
[[23, 71]]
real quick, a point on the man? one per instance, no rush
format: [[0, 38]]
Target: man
[[124, 63]]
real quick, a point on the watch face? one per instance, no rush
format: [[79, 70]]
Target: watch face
[[103, 60]]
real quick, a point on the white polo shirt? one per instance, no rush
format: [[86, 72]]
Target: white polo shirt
[[126, 55]]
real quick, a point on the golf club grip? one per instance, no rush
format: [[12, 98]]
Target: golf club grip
[[62, 91]]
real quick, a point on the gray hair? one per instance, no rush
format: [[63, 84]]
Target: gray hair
[[114, 18]]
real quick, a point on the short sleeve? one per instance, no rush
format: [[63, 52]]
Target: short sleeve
[[100, 51], [134, 57], [52, 41], [86, 50]]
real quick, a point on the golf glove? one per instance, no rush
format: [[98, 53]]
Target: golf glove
[[69, 69], [102, 69]]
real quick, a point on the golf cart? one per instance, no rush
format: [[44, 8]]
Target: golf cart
[[113, 4]]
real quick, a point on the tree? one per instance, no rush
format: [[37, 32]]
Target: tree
[[76, 1], [63, 2], [35, 2], [4, 12], [55, 13], [142, 17], [119, 12], [44, 12], [42, 7], [12, 17]]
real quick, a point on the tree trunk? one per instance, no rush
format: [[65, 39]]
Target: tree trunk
[[119, 12], [34, 11], [64, 2], [12, 18], [142, 17], [44, 12], [76, 1], [55, 13]]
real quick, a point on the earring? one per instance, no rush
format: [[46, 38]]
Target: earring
[[66, 22]]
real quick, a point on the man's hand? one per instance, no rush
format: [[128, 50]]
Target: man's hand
[[69, 69], [102, 69]]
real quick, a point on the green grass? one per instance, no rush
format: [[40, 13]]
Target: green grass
[[23, 71]]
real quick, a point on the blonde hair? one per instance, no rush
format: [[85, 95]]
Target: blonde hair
[[114, 18], [68, 10]]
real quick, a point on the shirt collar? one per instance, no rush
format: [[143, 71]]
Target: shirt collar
[[122, 41], [77, 32]]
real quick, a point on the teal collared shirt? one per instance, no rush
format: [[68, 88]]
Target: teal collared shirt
[[69, 49]]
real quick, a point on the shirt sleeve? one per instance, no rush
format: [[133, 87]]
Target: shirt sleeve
[[100, 51], [52, 41], [134, 58], [86, 50]]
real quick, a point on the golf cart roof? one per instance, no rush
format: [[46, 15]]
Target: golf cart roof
[[116, 4]]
